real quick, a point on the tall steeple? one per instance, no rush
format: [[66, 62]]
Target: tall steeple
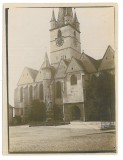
[[53, 16], [68, 16], [61, 15], [75, 21], [65, 16], [75, 18], [69, 12], [53, 21], [46, 63], [65, 38]]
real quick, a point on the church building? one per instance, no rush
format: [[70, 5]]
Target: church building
[[64, 80]]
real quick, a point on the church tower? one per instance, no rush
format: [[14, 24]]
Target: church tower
[[64, 36], [47, 77]]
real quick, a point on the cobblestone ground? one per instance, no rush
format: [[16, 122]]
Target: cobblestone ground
[[76, 137]]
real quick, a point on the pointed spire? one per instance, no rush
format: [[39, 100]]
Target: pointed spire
[[53, 16], [46, 63], [69, 16], [53, 22], [69, 12], [61, 15], [75, 20]]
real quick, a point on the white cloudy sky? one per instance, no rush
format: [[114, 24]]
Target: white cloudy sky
[[29, 37]]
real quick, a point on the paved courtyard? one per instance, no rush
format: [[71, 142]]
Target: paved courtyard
[[75, 137]]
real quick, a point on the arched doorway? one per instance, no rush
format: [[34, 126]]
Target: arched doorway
[[76, 113]]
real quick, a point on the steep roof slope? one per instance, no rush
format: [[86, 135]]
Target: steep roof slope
[[75, 65], [61, 70], [28, 76], [32, 72], [89, 63], [108, 60]]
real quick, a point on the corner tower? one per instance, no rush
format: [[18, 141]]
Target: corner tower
[[64, 36]]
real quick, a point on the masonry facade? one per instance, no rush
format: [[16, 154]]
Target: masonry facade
[[64, 80]]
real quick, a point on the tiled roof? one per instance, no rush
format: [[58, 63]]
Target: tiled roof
[[60, 73], [80, 63], [108, 60], [32, 72], [95, 62], [89, 63]]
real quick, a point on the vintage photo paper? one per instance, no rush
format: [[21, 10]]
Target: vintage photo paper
[[59, 78]]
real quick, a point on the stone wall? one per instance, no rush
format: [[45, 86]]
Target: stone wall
[[68, 49], [71, 108], [74, 93]]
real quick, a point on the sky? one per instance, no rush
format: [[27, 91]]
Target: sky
[[29, 37]]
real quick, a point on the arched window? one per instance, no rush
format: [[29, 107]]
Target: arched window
[[73, 80], [59, 33], [31, 93], [58, 90], [41, 94], [21, 94]]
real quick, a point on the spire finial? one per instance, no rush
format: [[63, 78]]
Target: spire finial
[[61, 15], [75, 17], [46, 63], [53, 16], [69, 12], [74, 12]]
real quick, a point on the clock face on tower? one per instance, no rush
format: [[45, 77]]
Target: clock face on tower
[[59, 41]]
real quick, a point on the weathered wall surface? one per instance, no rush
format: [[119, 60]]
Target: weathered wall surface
[[74, 93], [71, 46], [68, 111]]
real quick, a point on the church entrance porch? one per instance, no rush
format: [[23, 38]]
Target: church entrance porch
[[74, 112]]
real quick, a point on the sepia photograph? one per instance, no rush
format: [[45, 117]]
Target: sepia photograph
[[60, 73]]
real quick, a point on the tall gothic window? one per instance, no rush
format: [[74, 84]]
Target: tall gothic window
[[21, 94], [41, 94], [73, 80], [59, 33], [58, 90], [31, 93]]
